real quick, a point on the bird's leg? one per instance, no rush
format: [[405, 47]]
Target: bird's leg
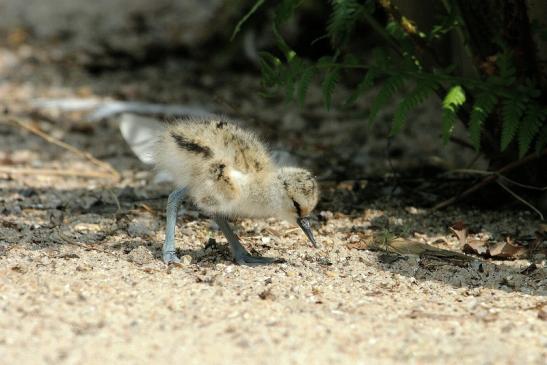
[[241, 255], [173, 203]]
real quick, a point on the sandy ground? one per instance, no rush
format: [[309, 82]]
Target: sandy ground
[[81, 281]]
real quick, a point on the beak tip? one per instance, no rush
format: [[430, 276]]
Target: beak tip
[[305, 225]]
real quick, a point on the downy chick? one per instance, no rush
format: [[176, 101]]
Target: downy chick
[[227, 172]]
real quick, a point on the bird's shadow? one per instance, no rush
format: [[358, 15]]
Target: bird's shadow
[[212, 253]]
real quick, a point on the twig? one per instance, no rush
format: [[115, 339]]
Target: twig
[[53, 172], [516, 196], [27, 126], [502, 177], [525, 186], [490, 178], [116, 200]]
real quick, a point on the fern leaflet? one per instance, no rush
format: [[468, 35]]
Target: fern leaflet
[[390, 87], [511, 111], [292, 75], [304, 83], [329, 84], [342, 20], [484, 104], [269, 67], [454, 99], [363, 86], [285, 10], [411, 101]]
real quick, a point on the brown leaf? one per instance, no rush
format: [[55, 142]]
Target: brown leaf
[[476, 247], [407, 247], [460, 230], [365, 242], [507, 250]]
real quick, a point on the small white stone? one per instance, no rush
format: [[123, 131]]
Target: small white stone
[[186, 260]]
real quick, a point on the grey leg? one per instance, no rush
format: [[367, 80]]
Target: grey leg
[[241, 255], [173, 203]]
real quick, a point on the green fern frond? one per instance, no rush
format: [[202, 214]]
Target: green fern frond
[[411, 101], [483, 107], [291, 76], [390, 87], [343, 18], [285, 10], [511, 112], [506, 67], [304, 83], [453, 100], [329, 84], [246, 17], [529, 128], [282, 44], [363, 86], [269, 67], [448, 120]]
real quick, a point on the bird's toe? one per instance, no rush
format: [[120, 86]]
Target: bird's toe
[[250, 260], [170, 257]]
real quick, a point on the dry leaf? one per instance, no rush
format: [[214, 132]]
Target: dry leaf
[[407, 247], [460, 230], [364, 242], [507, 250], [476, 247]]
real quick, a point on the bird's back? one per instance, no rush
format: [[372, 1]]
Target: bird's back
[[189, 145]]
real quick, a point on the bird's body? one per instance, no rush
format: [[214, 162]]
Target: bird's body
[[228, 172]]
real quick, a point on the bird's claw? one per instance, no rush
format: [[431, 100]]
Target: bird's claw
[[170, 257]]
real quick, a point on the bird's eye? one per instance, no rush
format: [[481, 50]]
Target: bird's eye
[[297, 207]]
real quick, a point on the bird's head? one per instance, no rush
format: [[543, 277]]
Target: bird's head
[[300, 197]]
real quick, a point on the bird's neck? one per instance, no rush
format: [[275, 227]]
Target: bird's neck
[[261, 195]]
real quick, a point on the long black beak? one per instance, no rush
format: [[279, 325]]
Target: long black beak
[[305, 225]]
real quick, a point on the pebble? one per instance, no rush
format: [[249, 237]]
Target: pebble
[[141, 255]]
